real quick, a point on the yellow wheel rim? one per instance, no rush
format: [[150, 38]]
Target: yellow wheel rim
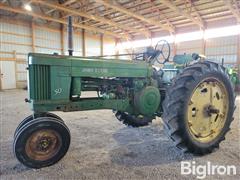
[[207, 110], [43, 145]]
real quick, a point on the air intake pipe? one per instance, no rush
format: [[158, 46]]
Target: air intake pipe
[[70, 36]]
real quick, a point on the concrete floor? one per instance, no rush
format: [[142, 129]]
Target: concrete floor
[[103, 148]]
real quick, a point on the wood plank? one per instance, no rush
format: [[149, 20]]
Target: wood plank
[[6, 52], [15, 34], [14, 43], [7, 59], [15, 64], [62, 38]]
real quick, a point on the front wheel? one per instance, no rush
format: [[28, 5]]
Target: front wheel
[[36, 115], [198, 108], [41, 142]]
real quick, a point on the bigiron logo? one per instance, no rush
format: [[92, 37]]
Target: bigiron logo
[[201, 171]]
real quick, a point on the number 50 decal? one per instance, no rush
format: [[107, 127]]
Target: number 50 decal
[[58, 91]]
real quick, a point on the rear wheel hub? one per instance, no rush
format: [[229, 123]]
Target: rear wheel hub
[[207, 110]]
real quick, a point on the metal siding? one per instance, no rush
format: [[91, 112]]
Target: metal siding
[[108, 46], [45, 40], [65, 40], [14, 38], [11, 38], [47, 51], [77, 45], [21, 74], [18, 48], [222, 48], [92, 45], [14, 28], [124, 51], [189, 47]]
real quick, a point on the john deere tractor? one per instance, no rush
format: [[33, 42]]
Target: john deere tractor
[[194, 98], [234, 77]]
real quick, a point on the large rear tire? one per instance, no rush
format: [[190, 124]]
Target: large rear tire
[[198, 108]]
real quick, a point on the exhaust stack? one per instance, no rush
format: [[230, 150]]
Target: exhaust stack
[[70, 36]]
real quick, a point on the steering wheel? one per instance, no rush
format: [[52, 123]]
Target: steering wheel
[[162, 50]]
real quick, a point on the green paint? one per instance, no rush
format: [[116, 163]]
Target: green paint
[[56, 82]]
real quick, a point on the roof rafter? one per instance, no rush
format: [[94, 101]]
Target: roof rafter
[[187, 15], [65, 3], [234, 10], [196, 11], [61, 21], [135, 15], [93, 17], [165, 18]]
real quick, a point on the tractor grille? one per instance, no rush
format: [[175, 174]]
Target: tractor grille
[[40, 82]]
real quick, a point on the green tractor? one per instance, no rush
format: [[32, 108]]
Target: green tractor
[[233, 73], [196, 101]]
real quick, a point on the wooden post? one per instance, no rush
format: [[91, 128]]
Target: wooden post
[[116, 50], [0, 76], [203, 44], [101, 45], [62, 38], [33, 35], [238, 55], [174, 46], [15, 63]]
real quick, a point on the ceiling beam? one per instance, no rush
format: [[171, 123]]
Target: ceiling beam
[[187, 15], [193, 8], [93, 17], [161, 14], [234, 10], [65, 4], [145, 10], [58, 20], [135, 15], [136, 5]]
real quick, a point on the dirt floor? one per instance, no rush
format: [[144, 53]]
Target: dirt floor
[[103, 148]]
